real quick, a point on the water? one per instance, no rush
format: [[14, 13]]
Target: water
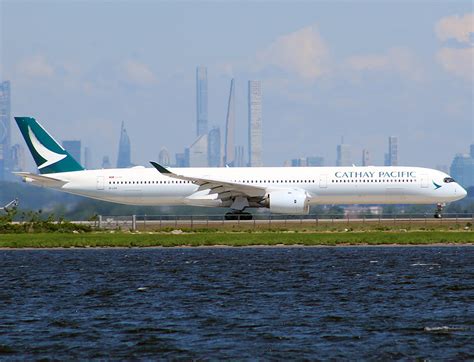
[[245, 303]]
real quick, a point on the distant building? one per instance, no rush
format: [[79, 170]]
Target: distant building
[[164, 158], [462, 168], [5, 137], [88, 158], [18, 161], [365, 157], [343, 154], [314, 161], [214, 147], [201, 100], [229, 147], [255, 123], [74, 149], [181, 160], [106, 162], [391, 157], [298, 162], [239, 160], [198, 152], [124, 151]]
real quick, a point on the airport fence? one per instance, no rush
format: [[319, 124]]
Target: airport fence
[[275, 221]]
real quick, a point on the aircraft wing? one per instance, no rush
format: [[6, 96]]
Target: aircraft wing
[[41, 179], [224, 189]]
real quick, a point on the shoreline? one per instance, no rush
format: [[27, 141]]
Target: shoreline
[[230, 240]]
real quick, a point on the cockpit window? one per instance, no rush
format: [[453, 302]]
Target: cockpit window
[[448, 180]]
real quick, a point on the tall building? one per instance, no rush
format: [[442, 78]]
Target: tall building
[[124, 151], [343, 154], [74, 149], [88, 158], [255, 123], [229, 148], [106, 162], [462, 168], [365, 157], [198, 152], [214, 147], [18, 161], [391, 158], [5, 140], [164, 158], [181, 160], [239, 159], [201, 100]]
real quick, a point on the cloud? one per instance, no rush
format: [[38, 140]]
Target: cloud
[[137, 73], [460, 62], [302, 52], [36, 66], [399, 60], [455, 27]]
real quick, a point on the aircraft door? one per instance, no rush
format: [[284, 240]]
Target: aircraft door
[[323, 181], [424, 181], [100, 182]]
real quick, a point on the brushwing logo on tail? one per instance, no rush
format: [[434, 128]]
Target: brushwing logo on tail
[[48, 155]]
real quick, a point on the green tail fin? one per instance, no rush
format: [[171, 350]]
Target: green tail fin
[[49, 155]]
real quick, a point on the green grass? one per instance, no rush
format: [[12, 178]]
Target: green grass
[[118, 239]]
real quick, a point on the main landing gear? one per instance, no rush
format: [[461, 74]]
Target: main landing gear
[[238, 215], [439, 209]]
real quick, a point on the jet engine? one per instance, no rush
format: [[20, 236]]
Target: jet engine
[[294, 202]]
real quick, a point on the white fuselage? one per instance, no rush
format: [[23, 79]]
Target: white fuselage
[[324, 185]]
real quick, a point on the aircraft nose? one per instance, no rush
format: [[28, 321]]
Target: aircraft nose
[[462, 192]]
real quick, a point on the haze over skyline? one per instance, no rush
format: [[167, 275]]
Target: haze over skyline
[[362, 70]]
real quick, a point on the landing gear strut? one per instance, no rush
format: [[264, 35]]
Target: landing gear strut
[[439, 209], [238, 215]]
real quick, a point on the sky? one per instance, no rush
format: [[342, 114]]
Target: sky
[[362, 70]]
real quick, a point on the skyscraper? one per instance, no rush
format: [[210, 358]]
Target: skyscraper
[[87, 158], [343, 154], [255, 123], [18, 161], [214, 147], [106, 162], [5, 140], [229, 155], [198, 152], [164, 158], [201, 100], [462, 168], [239, 156], [392, 155], [74, 149], [124, 151], [365, 157], [181, 160]]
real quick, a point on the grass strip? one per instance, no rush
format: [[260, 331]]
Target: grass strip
[[104, 239]]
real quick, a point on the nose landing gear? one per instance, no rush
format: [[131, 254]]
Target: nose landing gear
[[439, 209]]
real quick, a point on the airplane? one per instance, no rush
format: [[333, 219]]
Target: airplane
[[280, 189]]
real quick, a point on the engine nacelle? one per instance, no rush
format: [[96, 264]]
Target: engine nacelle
[[295, 202]]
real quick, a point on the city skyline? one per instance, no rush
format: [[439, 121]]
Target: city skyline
[[363, 88]]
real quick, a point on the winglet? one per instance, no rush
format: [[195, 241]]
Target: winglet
[[160, 168]]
